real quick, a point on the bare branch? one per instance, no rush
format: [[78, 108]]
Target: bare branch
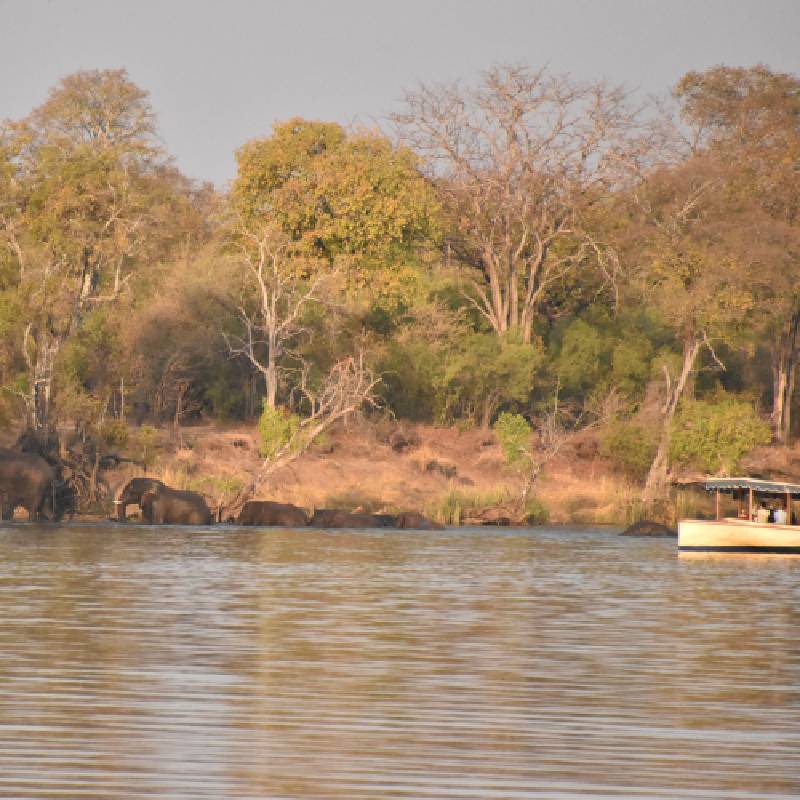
[[517, 161]]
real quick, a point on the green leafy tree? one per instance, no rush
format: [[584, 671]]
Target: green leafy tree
[[337, 195], [748, 120], [317, 210], [527, 448], [630, 447], [514, 433], [85, 191], [713, 434], [691, 277], [276, 429], [483, 372]]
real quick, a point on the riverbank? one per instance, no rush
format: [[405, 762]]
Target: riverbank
[[454, 476]]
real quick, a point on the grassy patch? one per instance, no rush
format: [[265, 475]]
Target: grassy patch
[[351, 499], [452, 507]]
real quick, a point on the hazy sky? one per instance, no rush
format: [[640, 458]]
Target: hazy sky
[[220, 72]]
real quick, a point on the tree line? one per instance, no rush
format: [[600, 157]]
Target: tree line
[[529, 245]]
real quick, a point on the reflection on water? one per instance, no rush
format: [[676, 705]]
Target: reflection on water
[[497, 665]]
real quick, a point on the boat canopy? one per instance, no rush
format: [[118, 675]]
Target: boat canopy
[[764, 487]]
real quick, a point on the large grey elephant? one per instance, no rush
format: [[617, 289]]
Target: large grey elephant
[[268, 512], [132, 493], [333, 518], [163, 505], [29, 481], [417, 521]]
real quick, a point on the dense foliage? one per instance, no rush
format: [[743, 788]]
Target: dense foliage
[[712, 435], [525, 244]]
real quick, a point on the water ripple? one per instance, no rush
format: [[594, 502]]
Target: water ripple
[[495, 665]]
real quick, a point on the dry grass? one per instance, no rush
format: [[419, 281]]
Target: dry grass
[[363, 472], [605, 500]]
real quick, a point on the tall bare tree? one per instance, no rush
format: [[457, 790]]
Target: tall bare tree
[[518, 161], [279, 284]]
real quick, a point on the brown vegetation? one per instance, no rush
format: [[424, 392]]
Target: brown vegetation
[[357, 469]]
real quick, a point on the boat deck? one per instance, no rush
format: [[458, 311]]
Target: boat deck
[[738, 536]]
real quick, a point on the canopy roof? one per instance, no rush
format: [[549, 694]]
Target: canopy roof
[[764, 487]]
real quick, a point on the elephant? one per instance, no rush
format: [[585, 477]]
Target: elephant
[[412, 519], [29, 481], [132, 493], [267, 512], [333, 518], [163, 505]]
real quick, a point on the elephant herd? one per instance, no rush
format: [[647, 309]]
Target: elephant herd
[[267, 512], [28, 480], [163, 505]]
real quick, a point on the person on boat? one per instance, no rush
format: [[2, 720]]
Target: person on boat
[[762, 514], [780, 516]]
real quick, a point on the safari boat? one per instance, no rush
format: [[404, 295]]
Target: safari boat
[[743, 533]]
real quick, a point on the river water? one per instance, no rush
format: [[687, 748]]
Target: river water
[[140, 662]]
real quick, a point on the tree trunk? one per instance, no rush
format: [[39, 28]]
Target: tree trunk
[[788, 398], [272, 384], [656, 483], [784, 366], [43, 373], [271, 370]]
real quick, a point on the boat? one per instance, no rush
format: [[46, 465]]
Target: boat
[[744, 533]]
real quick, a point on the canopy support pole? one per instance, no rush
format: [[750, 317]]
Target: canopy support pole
[[750, 503], [718, 506]]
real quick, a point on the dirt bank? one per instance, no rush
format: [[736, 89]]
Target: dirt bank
[[449, 474]]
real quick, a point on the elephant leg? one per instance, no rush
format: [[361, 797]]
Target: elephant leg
[[40, 505], [46, 510]]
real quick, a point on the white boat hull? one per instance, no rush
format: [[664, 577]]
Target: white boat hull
[[737, 536]]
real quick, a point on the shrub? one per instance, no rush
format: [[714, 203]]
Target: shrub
[[456, 505], [629, 447], [536, 512], [452, 507], [713, 435], [221, 487], [115, 433], [513, 433], [484, 372], [276, 427], [146, 444]]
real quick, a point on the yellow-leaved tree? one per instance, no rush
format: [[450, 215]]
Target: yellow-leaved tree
[[315, 211]]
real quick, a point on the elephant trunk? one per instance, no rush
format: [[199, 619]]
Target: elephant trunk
[[119, 506]]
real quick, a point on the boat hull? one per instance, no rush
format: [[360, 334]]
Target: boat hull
[[737, 536]]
